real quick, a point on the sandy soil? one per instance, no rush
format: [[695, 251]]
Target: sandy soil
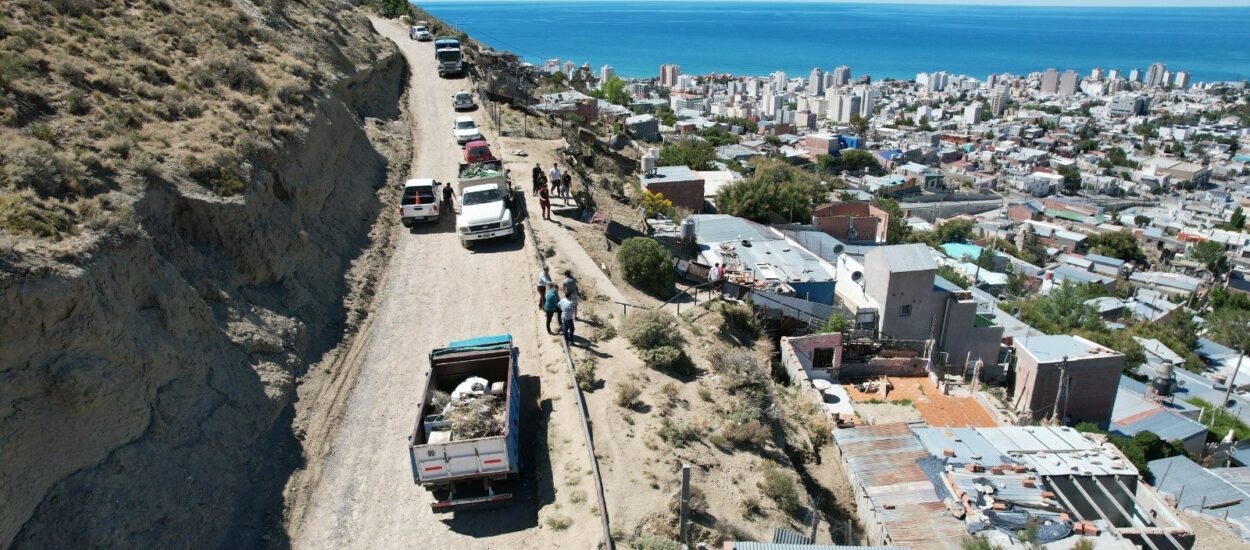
[[357, 490]]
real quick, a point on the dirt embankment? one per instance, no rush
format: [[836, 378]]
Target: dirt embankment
[[146, 383]]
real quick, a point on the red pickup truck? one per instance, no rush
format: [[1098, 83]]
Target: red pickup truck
[[477, 151]]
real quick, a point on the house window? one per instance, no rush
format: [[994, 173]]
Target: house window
[[904, 311]]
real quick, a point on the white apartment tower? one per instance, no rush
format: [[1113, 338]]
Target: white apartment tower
[[816, 82], [842, 76], [1050, 82], [1134, 75], [669, 74], [1068, 82], [999, 101], [1182, 80], [1154, 74], [1097, 73], [606, 72], [972, 113]]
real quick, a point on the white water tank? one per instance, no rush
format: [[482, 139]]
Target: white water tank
[[648, 164]]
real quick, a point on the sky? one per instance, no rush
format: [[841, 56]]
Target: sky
[[1064, 3]]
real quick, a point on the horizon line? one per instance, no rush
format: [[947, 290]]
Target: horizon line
[[1168, 4]]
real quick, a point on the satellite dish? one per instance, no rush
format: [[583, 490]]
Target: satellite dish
[[1230, 404], [1015, 311]]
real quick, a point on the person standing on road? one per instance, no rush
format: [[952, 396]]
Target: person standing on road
[[568, 311], [571, 292], [566, 182], [544, 279], [715, 275], [551, 306], [544, 200], [538, 177], [448, 193], [554, 177]]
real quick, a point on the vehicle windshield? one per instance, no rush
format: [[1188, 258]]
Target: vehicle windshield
[[462, 96], [448, 55], [476, 152], [421, 29], [465, 125], [482, 197]]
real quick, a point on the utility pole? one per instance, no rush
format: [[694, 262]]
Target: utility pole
[[685, 505], [1063, 373]]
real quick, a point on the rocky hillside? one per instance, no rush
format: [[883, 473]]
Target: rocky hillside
[[193, 203]]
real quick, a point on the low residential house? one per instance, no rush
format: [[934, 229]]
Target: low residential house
[[1172, 284], [678, 184], [1137, 410], [822, 144], [853, 222], [1029, 210], [1066, 377], [1058, 237], [762, 258], [643, 127], [736, 152], [1178, 170], [1196, 489]]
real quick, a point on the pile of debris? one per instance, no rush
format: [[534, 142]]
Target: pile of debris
[[475, 409]]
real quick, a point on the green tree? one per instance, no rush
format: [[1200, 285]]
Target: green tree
[[393, 8], [1063, 310], [836, 323], [1033, 251], [1071, 178], [613, 91], [1120, 244], [949, 273], [955, 231], [1211, 255], [1237, 222], [718, 137], [666, 116], [776, 188], [646, 264], [860, 126], [1140, 220], [695, 154]]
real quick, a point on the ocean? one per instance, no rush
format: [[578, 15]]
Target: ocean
[[883, 40]]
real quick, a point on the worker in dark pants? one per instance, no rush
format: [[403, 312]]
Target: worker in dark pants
[[448, 193]]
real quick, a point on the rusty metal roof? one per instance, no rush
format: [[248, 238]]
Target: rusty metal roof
[[881, 459]]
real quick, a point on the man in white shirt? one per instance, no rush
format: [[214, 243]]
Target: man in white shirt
[[568, 310], [544, 279], [714, 275], [554, 176]]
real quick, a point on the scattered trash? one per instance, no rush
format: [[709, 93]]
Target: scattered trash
[[520, 153]]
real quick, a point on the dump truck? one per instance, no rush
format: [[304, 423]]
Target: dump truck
[[477, 471], [449, 56], [472, 174]]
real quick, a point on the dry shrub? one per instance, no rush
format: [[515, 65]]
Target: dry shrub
[[752, 433], [627, 394], [649, 329], [585, 374], [697, 505], [678, 434], [482, 416], [780, 487], [37, 165], [25, 213]]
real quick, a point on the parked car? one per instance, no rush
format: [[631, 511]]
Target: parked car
[[484, 214], [477, 151], [420, 33], [465, 130], [462, 101], [419, 203]]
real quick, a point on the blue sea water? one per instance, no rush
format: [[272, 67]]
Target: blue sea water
[[884, 40]]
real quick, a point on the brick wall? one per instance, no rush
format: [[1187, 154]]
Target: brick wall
[[686, 194]]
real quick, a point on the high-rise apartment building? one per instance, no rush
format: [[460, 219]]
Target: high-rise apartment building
[[816, 82], [1155, 74], [1068, 82], [669, 74], [1050, 82], [1113, 74], [779, 81], [842, 76], [867, 96], [606, 72], [972, 113], [1182, 80], [843, 106], [1097, 73], [1134, 75], [998, 102]]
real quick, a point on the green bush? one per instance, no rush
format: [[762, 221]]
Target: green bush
[[678, 435], [25, 213], [781, 488], [649, 329], [646, 264], [667, 358], [654, 542]]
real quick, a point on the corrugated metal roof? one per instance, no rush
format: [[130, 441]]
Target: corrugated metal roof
[[747, 545], [904, 258], [882, 460], [1180, 477]]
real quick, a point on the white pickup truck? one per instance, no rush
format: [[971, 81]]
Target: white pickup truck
[[484, 214], [419, 203]]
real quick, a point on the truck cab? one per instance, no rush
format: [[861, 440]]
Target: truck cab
[[448, 56], [484, 214], [478, 151], [419, 202]]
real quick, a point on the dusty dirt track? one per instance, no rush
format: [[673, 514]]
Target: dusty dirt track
[[357, 489]]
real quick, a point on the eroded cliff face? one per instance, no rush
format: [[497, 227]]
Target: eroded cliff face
[[143, 385]]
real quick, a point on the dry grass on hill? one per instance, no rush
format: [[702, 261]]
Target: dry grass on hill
[[100, 98]]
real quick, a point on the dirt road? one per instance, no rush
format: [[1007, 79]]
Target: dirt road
[[357, 491]]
